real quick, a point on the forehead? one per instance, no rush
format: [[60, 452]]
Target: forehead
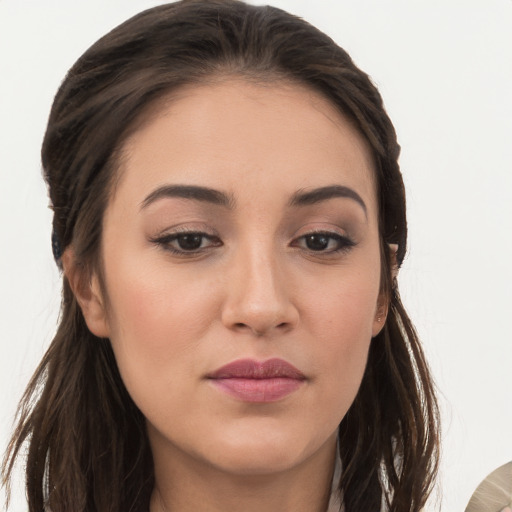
[[237, 135]]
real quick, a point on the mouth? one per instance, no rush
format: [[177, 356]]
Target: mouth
[[258, 382]]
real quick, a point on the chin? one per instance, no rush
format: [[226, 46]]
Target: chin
[[263, 450], [257, 460]]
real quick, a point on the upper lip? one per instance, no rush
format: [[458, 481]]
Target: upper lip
[[252, 369]]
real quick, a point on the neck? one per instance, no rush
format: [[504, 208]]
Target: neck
[[183, 484]]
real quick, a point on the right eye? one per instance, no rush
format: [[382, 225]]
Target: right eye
[[187, 243]]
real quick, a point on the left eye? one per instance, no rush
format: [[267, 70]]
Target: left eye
[[190, 241], [324, 242]]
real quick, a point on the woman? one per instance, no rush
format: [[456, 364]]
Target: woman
[[229, 216]]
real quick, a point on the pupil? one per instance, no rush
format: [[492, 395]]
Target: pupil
[[190, 242], [317, 242]]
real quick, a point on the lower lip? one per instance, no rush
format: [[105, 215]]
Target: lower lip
[[258, 390]]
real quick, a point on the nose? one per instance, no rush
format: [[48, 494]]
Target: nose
[[259, 299]]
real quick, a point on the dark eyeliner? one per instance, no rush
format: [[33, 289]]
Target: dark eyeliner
[[165, 242], [344, 242]]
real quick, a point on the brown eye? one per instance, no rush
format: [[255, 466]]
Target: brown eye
[[317, 241], [324, 242], [190, 241]]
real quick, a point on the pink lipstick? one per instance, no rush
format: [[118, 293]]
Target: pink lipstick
[[253, 381]]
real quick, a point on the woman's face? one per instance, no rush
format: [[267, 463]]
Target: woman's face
[[241, 268]]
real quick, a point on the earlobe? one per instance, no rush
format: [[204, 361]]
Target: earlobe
[[382, 310], [380, 316], [86, 288]]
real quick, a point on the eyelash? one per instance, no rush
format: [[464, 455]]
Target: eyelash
[[343, 243], [166, 241]]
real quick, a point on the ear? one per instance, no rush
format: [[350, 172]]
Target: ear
[[86, 288], [393, 249], [382, 309], [381, 314]]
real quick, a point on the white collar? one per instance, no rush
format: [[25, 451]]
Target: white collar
[[335, 504]]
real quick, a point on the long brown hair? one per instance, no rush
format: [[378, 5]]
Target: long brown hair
[[87, 443]]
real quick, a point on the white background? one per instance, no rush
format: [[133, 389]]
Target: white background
[[444, 68]]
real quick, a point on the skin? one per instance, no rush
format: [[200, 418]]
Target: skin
[[254, 289]]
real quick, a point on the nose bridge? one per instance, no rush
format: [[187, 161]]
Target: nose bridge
[[258, 270], [258, 298]]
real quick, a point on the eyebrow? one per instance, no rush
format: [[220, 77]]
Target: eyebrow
[[194, 192], [309, 197], [210, 195]]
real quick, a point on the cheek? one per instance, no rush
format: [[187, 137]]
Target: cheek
[[341, 309], [340, 322], [157, 322]]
